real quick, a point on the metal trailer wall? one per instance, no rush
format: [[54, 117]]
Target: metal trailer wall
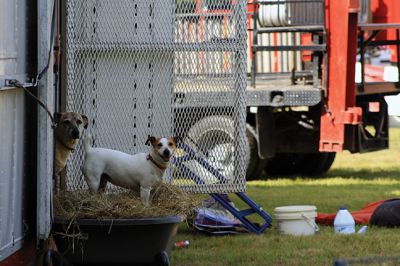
[[16, 62]]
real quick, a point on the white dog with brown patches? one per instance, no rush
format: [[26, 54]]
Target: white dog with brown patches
[[139, 171]]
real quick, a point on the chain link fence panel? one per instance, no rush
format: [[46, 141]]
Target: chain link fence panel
[[141, 68]]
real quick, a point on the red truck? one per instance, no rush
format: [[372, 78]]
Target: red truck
[[303, 102], [331, 38]]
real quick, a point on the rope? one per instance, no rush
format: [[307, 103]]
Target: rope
[[18, 84]]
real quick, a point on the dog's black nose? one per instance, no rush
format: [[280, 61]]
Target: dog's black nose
[[75, 133], [166, 153]]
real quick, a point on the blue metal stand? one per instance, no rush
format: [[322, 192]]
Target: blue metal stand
[[239, 214]]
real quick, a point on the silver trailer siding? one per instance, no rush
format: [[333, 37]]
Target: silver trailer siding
[[13, 65]]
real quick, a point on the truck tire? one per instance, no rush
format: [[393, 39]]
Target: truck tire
[[213, 133], [281, 164], [315, 164], [309, 164], [253, 159]]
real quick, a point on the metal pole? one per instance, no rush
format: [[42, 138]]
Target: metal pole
[[362, 59], [240, 89], [45, 131], [253, 50], [398, 55], [315, 63]]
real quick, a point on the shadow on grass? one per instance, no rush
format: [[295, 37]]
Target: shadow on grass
[[367, 174]]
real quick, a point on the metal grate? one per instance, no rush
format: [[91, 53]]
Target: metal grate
[[277, 61], [138, 68]]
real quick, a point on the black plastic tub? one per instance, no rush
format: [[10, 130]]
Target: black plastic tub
[[143, 241]]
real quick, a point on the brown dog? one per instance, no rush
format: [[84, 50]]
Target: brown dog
[[69, 130]]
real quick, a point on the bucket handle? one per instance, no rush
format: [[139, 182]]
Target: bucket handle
[[310, 221]]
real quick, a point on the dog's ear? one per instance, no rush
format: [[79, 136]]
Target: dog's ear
[[57, 116], [151, 140], [177, 139], [85, 121]]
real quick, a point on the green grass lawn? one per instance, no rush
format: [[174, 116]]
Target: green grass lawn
[[354, 180]]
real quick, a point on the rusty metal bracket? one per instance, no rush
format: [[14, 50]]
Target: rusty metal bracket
[[352, 116]]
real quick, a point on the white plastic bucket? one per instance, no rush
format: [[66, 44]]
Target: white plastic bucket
[[296, 219]]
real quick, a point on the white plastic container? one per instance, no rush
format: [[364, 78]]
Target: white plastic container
[[344, 222], [296, 219]]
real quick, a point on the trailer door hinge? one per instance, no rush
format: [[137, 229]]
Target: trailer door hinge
[[12, 82]]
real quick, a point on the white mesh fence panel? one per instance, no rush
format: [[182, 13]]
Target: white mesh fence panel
[[140, 68]]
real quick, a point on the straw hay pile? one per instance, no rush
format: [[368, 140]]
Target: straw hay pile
[[167, 200]]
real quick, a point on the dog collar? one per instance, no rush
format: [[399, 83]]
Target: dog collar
[[152, 160], [65, 146]]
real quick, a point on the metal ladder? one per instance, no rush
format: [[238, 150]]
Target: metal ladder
[[241, 215]]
